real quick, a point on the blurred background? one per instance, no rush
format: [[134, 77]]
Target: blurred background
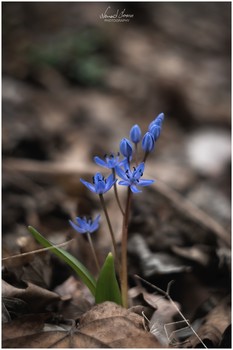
[[74, 84]]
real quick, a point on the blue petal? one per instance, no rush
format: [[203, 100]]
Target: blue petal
[[76, 228], [112, 162], [100, 187], [124, 183], [134, 189], [95, 225], [88, 185], [81, 222], [109, 182], [145, 182], [120, 172], [100, 162], [98, 177], [139, 171], [126, 164]]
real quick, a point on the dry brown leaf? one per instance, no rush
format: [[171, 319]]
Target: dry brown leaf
[[39, 340], [117, 327], [154, 263], [55, 339], [215, 324], [118, 331], [25, 325], [198, 253], [163, 315], [109, 325], [36, 297], [108, 310], [75, 298]]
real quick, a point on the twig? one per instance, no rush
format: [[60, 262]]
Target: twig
[[37, 250]]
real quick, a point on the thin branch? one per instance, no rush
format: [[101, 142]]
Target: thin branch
[[38, 250]]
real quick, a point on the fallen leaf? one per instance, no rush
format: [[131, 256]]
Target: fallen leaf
[[107, 325], [163, 315], [154, 263], [35, 297], [24, 325], [216, 322]]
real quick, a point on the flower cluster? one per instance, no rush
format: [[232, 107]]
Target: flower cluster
[[130, 177]]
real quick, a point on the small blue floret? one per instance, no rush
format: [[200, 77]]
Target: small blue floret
[[133, 178], [84, 225], [100, 184]]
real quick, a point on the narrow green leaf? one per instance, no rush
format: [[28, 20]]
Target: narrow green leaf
[[107, 288], [81, 270]]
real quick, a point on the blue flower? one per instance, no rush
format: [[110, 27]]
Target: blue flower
[[156, 126], [100, 184], [110, 162], [133, 178], [84, 225], [148, 142], [126, 148], [135, 134]]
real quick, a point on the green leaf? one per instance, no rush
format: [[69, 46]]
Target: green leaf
[[107, 288], [79, 268]]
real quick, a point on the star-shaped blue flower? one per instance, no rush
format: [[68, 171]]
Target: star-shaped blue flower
[[133, 178], [110, 162], [100, 184], [84, 225]]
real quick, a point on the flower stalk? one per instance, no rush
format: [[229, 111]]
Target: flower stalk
[[116, 193], [124, 267], [102, 201], [93, 252]]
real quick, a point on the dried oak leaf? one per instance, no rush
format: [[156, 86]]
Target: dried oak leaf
[[107, 325], [216, 322], [117, 327]]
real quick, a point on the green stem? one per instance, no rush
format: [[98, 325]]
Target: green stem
[[93, 251], [116, 193], [124, 273], [110, 229]]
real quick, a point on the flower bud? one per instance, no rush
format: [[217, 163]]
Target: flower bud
[[157, 121], [155, 130], [135, 134], [148, 142], [126, 148]]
